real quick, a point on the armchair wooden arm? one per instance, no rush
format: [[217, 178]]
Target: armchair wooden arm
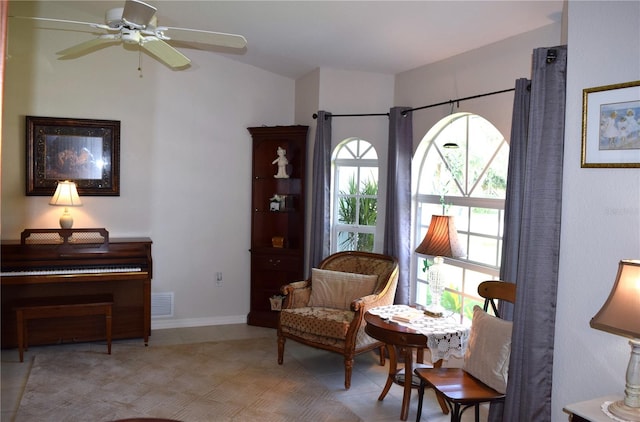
[[296, 294], [383, 298]]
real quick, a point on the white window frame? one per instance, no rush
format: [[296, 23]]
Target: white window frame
[[467, 270], [358, 162]]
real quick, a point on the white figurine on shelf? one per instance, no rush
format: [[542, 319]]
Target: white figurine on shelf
[[276, 202], [282, 164]]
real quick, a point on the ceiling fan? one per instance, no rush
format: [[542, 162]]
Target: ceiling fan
[[137, 23]]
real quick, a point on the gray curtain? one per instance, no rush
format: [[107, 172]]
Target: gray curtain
[[532, 234], [398, 203], [515, 187], [321, 191]]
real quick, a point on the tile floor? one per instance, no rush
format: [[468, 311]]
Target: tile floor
[[362, 398]]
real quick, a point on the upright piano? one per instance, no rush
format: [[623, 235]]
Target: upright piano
[[76, 262]]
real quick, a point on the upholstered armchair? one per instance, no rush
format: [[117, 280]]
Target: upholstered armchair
[[327, 310]]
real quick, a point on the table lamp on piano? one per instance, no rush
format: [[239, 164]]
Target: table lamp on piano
[[66, 195]]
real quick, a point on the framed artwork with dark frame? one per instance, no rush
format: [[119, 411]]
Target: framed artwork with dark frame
[[84, 151], [611, 126]]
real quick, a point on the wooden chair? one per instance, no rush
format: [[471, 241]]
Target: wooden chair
[[487, 358], [327, 310]]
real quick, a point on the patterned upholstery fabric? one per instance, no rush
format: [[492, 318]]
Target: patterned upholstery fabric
[[325, 322], [337, 330]]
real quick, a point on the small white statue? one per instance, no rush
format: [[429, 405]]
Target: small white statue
[[282, 164], [276, 202]]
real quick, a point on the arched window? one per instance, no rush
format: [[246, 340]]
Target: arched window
[[460, 169], [354, 196]]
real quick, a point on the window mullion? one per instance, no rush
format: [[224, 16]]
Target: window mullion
[[467, 164]]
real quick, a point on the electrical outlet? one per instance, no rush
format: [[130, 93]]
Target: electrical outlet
[[218, 279]]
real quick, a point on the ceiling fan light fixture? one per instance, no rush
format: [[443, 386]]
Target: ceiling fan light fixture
[[113, 17], [131, 36], [153, 23], [137, 14]]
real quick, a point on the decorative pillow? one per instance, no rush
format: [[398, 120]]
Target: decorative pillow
[[336, 289], [489, 350]]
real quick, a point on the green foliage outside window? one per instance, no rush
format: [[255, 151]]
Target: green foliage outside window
[[364, 215], [453, 302]]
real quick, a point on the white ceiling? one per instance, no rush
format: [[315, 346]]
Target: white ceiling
[[292, 38]]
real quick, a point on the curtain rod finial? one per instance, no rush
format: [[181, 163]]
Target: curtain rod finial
[[315, 116]]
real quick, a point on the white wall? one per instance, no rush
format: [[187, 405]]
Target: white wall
[[492, 68], [350, 92], [307, 100], [600, 210], [183, 132]]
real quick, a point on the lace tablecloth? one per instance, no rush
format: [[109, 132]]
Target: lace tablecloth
[[445, 337]]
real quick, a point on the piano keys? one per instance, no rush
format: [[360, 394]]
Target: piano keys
[[69, 271], [71, 265]]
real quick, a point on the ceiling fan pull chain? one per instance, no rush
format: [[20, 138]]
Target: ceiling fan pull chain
[[140, 62]]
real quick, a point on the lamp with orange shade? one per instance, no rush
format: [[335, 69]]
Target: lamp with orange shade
[[440, 241]]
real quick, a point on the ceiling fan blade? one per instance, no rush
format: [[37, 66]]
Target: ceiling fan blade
[[138, 13], [164, 52], [205, 37], [64, 23], [89, 46]]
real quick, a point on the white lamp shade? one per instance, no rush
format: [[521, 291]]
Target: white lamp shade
[[66, 195]]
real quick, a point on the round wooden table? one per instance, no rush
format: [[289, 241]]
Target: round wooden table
[[395, 336]]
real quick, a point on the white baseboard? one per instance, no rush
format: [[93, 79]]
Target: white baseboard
[[159, 324]]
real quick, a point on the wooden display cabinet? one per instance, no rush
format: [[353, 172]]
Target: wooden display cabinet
[[277, 225]]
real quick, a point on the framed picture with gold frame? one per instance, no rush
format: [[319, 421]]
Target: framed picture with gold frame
[[85, 151], [611, 126]]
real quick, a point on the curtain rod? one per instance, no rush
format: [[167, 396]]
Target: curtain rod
[[315, 115], [404, 113]]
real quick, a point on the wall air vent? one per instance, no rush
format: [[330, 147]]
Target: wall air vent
[[161, 304]]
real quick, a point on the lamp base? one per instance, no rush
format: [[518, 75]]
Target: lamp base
[[624, 412], [629, 408], [434, 310], [66, 221]]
